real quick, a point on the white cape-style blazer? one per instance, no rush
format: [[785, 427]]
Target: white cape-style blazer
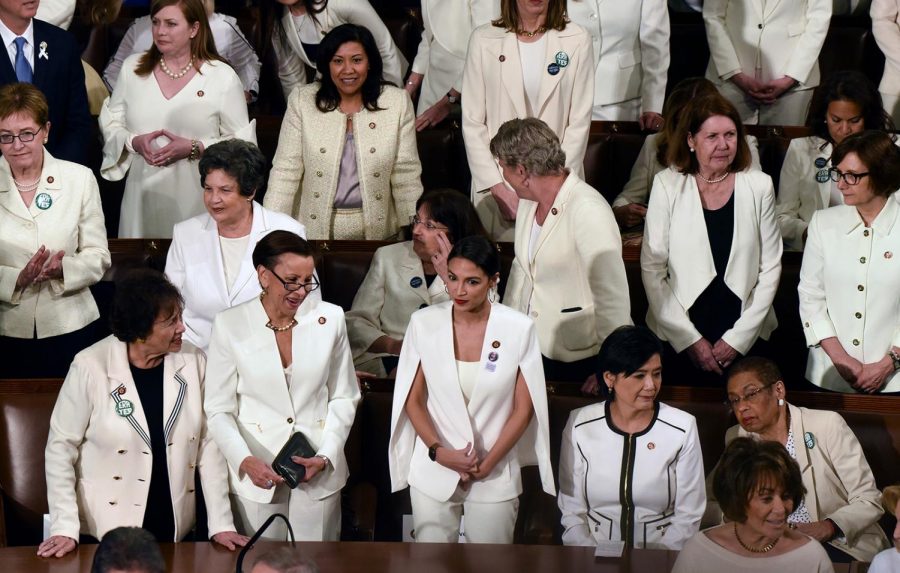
[[511, 340]]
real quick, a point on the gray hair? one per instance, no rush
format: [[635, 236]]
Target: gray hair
[[530, 143], [286, 560]]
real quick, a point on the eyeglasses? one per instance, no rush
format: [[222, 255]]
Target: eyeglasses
[[750, 397], [24, 137], [849, 178], [414, 220], [309, 286]]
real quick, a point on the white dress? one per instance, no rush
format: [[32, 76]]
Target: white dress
[[210, 108]]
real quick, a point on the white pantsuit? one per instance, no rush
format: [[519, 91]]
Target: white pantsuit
[[510, 347], [98, 462], [631, 53], [194, 265], [849, 282], [252, 411], [677, 263], [393, 289], [767, 39], [800, 194], [886, 29], [495, 93]]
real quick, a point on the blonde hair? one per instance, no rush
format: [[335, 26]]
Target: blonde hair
[[890, 497]]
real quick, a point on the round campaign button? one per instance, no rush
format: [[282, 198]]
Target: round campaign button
[[415, 282], [43, 201], [553, 69], [821, 162], [823, 175], [562, 59], [124, 408]]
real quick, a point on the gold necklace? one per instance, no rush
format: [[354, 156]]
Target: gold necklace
[[170, 73], [763, 549], [287, 326], [527, 34]]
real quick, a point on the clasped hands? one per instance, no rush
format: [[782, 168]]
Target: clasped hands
[[263, 476], [869, 378], [42, 266], [763, 92], [711, 357], [465, 462], [178, 148]]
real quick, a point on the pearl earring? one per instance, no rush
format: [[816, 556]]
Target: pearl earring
[[692, 149], [781, 401]]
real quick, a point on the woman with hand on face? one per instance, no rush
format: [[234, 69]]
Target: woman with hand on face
[[347, 165], [841, 508], [280, 364], [711, 253], [758, 485], [53, 241], [407, 276], [470, 407], [846, 104], [170, 103], [849, 279], [623, 449], [128, 430], [210, 259]]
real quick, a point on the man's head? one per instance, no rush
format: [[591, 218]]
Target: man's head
[[127, 550], [283, 560]]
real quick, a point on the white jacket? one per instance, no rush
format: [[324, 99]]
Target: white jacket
[[799, 193], [886, 29]]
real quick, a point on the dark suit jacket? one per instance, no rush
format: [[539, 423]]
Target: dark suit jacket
[[61, 78]]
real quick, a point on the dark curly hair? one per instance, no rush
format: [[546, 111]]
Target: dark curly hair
[[328, 98], [454, 210], [851, 86], [239, 159], [141, 296]]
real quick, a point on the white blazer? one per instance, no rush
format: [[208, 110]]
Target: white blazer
[[57, 12], [849, 282], [251, 409], [73, 223], [393, 289], [510, 339], [291, 57], [799, 193], [575, 287], [194, 265], [495, 93], [886, 28], [631, 49], [677, 263], [98, 463], [778, 37], [441, 55]]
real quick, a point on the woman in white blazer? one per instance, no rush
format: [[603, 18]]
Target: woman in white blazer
[[441, 55], [568, 273], [405, 277], [297, 27], [847, 103], [764, 55], [849, 279], [841, 508], [711, 253], [53, 244], [278, 365], [623, 449], [531, 62], [347, 165], [630, 206], [210, 256], [470, 408], [886, 29], [128, 430], [631, 54]]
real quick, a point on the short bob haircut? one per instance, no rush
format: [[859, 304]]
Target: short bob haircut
[[479, 251], [877, 151], [626, 349], [26, 99], [749, 466], [453, 210], [128, 549], [286, 560], [277, 243], [682, 94], [692, 118], [530, 143], [889, 499], [240, 160], [509, 16], [203, 46], [854, 87], [141, 297], [765, 370], [328, 98]]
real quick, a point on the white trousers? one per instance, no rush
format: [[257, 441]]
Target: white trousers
[[789, 109], [311, 519], [628, 110], [439, 521]]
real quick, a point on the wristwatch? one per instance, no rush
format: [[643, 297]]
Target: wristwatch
[[895, 358], [432, 451], [452, 98]]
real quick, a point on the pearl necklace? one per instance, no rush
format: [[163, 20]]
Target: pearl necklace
[[713, 181], [27, 187], [763, 549], [287, 326], [527, 34], [170, 73]]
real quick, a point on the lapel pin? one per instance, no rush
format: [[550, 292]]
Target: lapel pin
[[124, 408], [493, 356], [371, 125], [553, 69], [43, 51], [651, 445], [562, 59], [823, 175], [554, 211], [820, 162], [120, 390], [200, 93], [502, 58], [322, 320], [495, 344], [43, 201], [810, 440], [888, 254], [415, 282], [50, 179]]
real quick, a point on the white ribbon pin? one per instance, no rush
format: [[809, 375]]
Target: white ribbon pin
[[43, 52]]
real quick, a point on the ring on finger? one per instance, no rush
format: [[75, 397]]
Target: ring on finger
[[269, 483]]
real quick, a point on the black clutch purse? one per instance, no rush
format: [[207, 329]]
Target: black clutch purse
[[297, 445]]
